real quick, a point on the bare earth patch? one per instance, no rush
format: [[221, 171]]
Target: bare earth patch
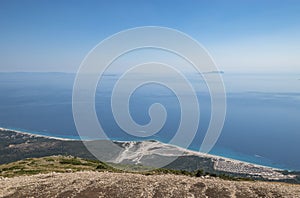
[[107, 184]]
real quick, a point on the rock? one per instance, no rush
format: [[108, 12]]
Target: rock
[[107, 184]]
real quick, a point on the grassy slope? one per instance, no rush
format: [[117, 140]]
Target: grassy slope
[[60, 164], [67, 164]]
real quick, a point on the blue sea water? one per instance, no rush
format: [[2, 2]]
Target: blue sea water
[[262, 123]]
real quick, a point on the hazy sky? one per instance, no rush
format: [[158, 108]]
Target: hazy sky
[[44, 35]]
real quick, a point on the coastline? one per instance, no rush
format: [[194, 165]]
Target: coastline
[[38, 135], [218, 157], [184, 150]]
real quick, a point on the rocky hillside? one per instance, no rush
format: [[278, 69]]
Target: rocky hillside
[[108, 184], [67, 176], [16, 145]]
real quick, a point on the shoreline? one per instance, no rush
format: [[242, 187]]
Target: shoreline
[[184, 150], [38, 135], [218, 157]]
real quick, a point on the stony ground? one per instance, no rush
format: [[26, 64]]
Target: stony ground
[[106, 184]]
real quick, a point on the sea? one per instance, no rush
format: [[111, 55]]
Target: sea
[[262, 123]]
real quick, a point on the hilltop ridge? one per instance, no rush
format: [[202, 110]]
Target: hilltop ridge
[[107, 184]]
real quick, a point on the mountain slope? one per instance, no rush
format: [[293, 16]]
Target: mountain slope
[[107, 184], [16, 145]]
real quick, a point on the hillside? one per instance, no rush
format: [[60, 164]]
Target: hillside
[[50, 164], [108, 184], [16, 146], [67, 176]]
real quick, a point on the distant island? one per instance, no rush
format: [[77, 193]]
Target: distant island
[[214, 72]]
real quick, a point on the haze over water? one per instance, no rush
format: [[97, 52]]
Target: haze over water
[[262, 123]]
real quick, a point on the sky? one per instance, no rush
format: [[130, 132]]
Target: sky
[[241, 36]]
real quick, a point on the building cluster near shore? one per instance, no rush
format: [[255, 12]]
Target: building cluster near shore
[[234, 166]]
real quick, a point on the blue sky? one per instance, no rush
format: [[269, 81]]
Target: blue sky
[[242, 36]]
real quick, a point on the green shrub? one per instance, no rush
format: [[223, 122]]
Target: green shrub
[[199, 173], [71, 161]]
